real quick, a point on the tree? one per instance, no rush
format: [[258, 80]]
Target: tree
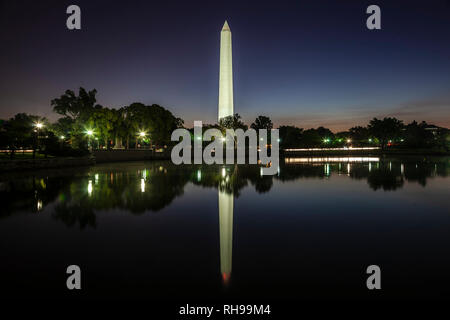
[[417, 135], [104, 121], [161, 124], [290, 136], [62, 127], [232, 122], [385, 130], [157, 122], [21, 132], [76, 107], [262, 122], [76, 110], [317, 137], [359, 134]]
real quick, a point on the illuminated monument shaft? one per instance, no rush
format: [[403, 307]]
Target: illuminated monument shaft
[[226, 202], [225, 74]]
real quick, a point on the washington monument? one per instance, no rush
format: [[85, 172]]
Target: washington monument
[[225, 74]]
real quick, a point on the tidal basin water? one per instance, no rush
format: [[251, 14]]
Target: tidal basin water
[[158, 231]]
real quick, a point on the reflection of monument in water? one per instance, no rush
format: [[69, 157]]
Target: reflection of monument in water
[[226, 202]]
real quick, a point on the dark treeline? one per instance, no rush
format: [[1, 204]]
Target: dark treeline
[[384, 133], [85, 125]]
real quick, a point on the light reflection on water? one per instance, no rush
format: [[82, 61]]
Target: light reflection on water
[[327, 195], [332, 159], [134, 186]]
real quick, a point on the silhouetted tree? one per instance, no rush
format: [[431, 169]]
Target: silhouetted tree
[[416, 135], [317, 137], [359, 134], [290, 136], [21, 132], [262, 122], [385, 130], [232, 122]]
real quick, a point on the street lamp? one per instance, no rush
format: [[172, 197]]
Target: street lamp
[[89, 133], [142, 135], [38, 126]]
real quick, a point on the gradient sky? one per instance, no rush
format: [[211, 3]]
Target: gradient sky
[[300, 63]]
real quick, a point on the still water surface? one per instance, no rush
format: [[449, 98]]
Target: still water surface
[[159, 231]]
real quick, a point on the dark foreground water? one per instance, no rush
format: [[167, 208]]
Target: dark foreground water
[[158, 231]]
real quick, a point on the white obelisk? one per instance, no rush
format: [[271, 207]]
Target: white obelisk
[[226, 73]]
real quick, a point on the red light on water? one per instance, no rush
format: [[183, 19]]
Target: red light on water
[[226, 277]]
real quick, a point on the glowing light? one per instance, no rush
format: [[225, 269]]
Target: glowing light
[[326, 140], [199, 175], [370, 140], [142, 185], [225, 278], [224, 172], [223, 139], [89, 132], [370, 166], [90, 187], [39, 125], [330, 149], [199, 138], [96, 178], [62, 137], [327, 169], [332, 159], [39, 205], [142, 134], [349, 140]]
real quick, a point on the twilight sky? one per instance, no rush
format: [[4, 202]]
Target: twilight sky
[[299, 63]]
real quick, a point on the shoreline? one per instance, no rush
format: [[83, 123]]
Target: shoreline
[[378, 152], [103, 156]]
